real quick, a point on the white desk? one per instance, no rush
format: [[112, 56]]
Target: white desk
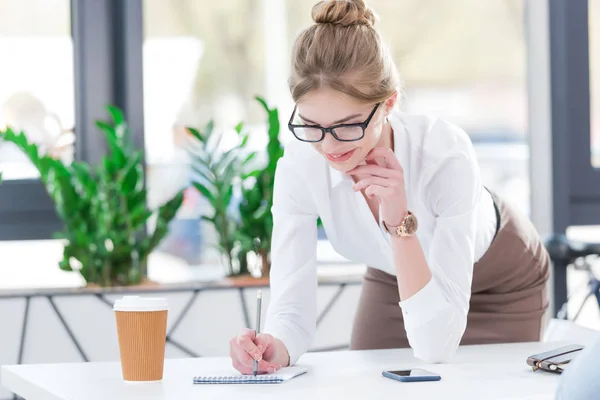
[[478, 372]]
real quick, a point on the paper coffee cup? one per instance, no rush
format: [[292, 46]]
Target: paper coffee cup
[[142, 332]]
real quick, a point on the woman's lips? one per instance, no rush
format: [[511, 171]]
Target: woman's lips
[[339, 157]]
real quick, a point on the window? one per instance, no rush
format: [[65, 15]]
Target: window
[[463, 61], [202, 61], [594, 38], [36, 80]]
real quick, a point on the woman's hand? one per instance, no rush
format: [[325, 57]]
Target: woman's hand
[[383, 178], [270, 352]]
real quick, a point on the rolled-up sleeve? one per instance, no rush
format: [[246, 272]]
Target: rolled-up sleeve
[[292, 311], [436, 317]]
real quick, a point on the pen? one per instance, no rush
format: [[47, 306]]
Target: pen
[[258, 307]]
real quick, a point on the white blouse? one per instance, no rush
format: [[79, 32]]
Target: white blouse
[[457, 223]]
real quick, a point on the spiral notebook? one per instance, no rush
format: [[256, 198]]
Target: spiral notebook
[[284, 374]]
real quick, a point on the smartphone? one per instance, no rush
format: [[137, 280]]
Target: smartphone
[[412, 375]]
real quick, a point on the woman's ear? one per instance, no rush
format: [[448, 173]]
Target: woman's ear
[[390, 103]]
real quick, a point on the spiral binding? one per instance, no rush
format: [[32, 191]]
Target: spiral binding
[[244, 379]]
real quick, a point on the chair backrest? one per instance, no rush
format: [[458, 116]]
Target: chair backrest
[[560, 330]]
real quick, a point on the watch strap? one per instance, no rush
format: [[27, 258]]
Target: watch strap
[[398, 230]]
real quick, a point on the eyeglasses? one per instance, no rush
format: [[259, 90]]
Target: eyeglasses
[[342, 132]]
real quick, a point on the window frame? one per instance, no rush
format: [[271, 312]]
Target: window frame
[[576, 182], [107, 40]]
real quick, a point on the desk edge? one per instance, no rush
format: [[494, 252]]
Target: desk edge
[[12, 381]]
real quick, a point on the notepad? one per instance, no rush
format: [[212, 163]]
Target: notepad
[[284, 374]]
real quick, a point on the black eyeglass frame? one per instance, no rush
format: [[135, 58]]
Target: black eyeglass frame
[[332, 129]]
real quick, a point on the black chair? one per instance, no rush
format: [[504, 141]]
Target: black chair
[[565, 252]]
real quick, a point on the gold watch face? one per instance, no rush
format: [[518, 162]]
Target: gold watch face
[[410, 224]]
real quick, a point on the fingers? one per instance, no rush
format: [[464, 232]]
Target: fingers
[[383, 153], [373, 169], [379, 191], [243, 350], [268, 367], [264, 342], [246, 341], [372, 180], [240, 355], [264, 367], [248, 332], [248, 347], [379, 161]]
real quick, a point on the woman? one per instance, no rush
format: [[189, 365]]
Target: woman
[[450, 263]]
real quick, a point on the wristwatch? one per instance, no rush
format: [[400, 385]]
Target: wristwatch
[[408, 226]]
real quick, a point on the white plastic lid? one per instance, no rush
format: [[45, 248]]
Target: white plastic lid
[[137, 303]]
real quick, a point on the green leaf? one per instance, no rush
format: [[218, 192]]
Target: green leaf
[[210, 126], [116, 114], [254, 174], [249, 158], [208, 219], [205, 192], [260, 210], [199, 158], [239, 127], [262, 101], [129, 173], [228, 195], [229, 173], [139, 216], [107, 129], [134, 178], [246, 241], [165, 214], [244, 141], [123, 134], [226, 160], [195, 133], [136, 199], [273, 124], [205, 173], [215, 144], [65, 265]]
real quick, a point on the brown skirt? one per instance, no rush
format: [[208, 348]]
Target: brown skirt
[[508, 293]]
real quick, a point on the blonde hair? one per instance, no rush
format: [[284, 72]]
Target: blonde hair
[[343, 51]]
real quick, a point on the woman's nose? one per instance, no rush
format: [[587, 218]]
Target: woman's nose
[[329, 143]]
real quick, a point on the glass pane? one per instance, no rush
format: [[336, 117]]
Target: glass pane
[[36, 80], [594, 38], [463, 61], [202, 61]]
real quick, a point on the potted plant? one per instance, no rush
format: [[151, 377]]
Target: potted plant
[[103, 208], [218, 175], [256, 220]]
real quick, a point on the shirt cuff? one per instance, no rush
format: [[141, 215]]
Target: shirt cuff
[[423, 306]]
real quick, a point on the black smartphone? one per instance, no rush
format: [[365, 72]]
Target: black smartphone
[[412, 375]]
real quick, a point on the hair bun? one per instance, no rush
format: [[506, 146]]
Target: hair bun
[[343, 12]]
